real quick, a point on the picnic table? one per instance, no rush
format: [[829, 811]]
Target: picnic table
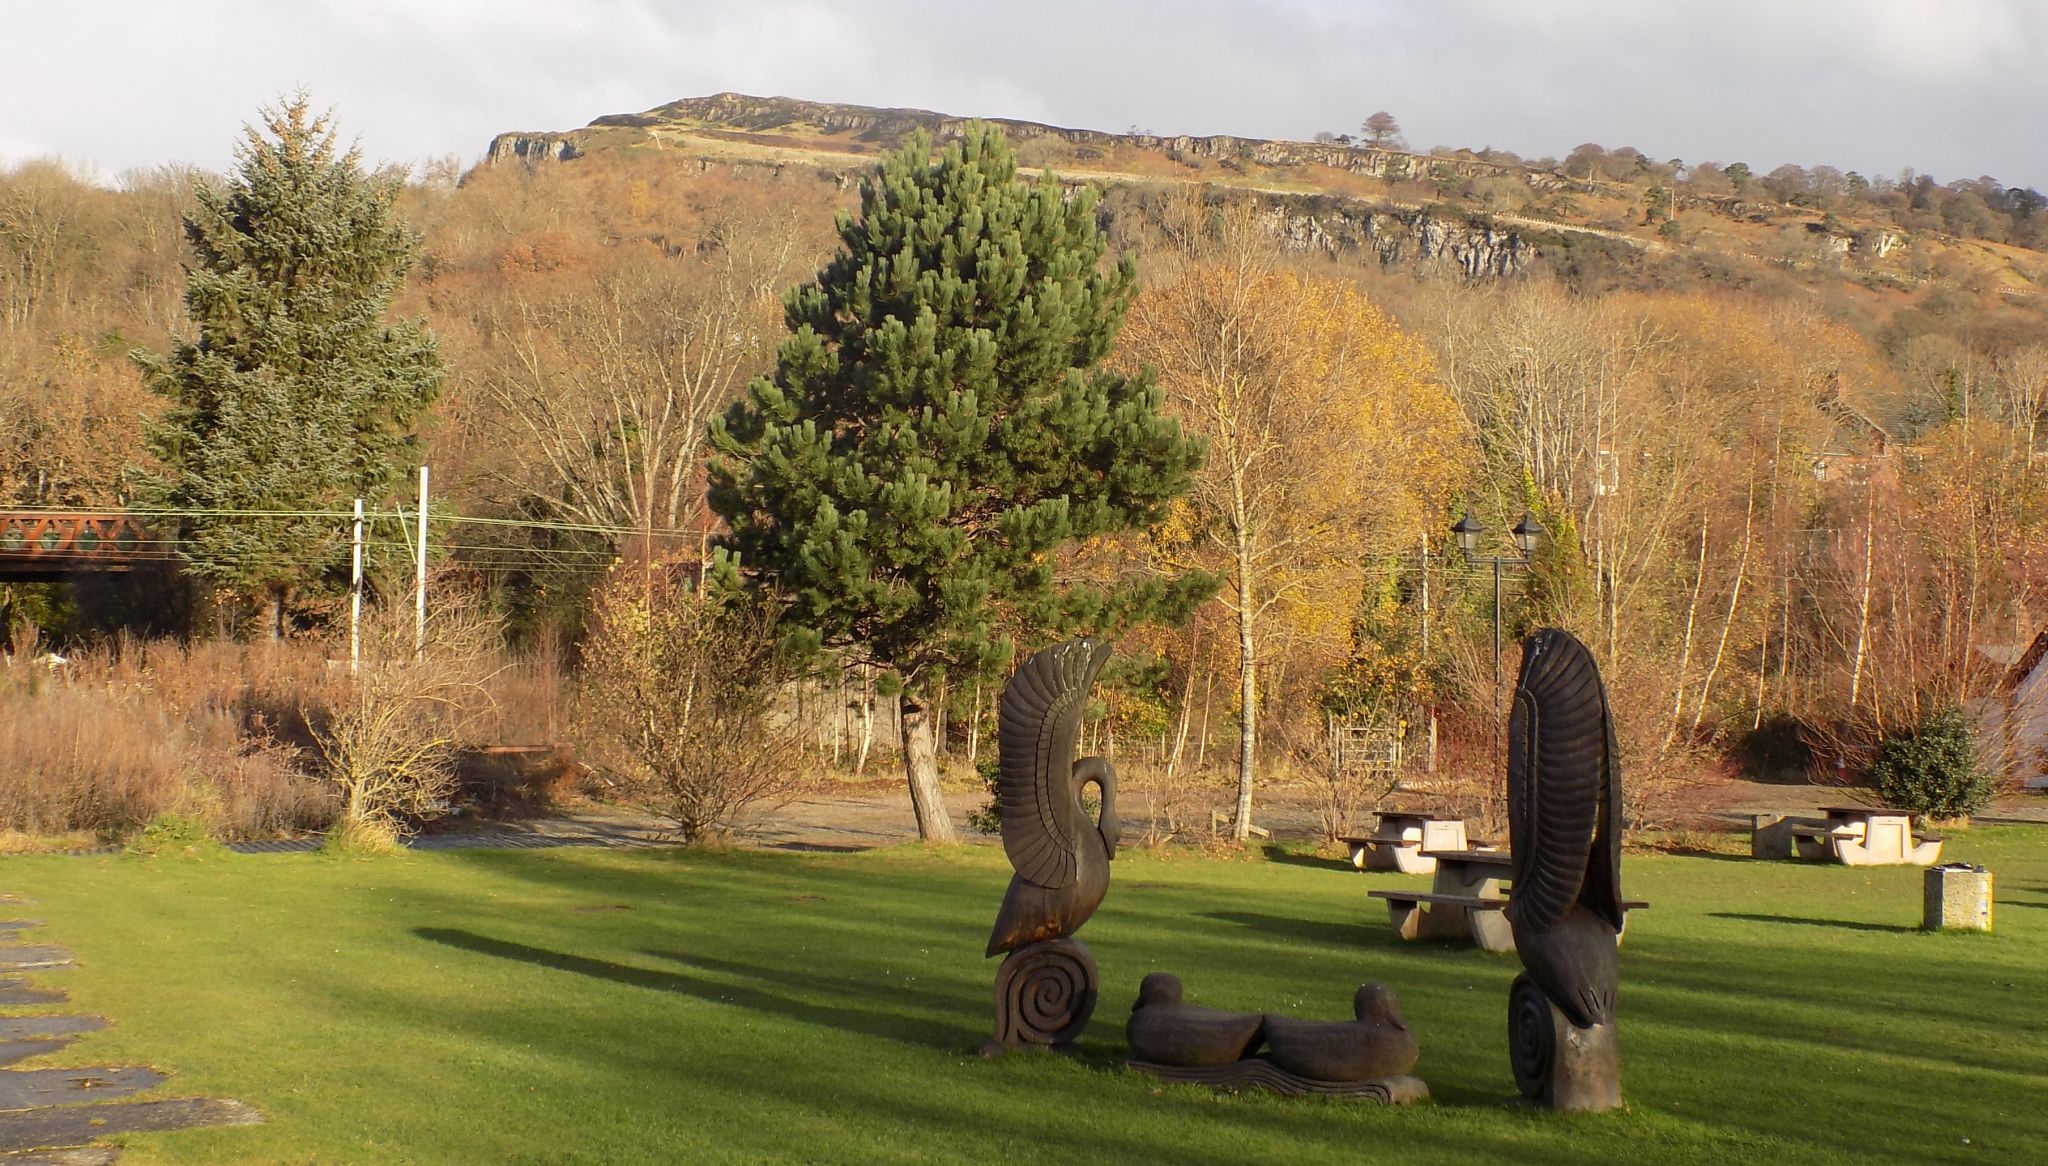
[[1851, 835], [1402, 838], [1464, 902]]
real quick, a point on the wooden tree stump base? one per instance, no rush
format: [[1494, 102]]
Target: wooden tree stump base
[[1558, 1064], [1045, 993]]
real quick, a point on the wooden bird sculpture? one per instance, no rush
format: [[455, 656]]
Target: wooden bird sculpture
[[1565, 906], [1046, 988], [1165, 1030]]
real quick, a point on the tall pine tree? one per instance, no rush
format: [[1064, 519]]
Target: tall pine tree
[[938, 426], [297, 395]]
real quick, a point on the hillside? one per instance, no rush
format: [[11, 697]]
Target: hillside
[[1872, 248]]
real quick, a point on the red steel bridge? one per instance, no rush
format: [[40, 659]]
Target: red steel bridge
[[46, 546]]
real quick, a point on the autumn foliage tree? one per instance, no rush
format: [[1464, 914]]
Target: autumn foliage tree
[[1328, 437]]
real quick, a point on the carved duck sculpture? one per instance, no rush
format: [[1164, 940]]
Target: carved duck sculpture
[[1564, 827], [1165, 1031], [1377, 1044], [1061, 858]]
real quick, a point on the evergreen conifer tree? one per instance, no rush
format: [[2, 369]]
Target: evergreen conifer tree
[[938, 426], [297, 396]]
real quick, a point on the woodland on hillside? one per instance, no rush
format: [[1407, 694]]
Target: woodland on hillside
[[1792, 520]]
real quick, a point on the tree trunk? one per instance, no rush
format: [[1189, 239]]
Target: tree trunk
[[921, 765], [1248, 697], [1692, 612], [1187, 709], [1699, 712], [867, 722], [1863, 599], [276, 614]]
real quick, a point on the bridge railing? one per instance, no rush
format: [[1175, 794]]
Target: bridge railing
[[47, 544]]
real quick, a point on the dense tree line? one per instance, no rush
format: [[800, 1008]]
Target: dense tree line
[[1788, 530]]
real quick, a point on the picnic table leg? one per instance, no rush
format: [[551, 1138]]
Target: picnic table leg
[[1770, 836], [1442, 921], [1851, 846], [1816, 849], [1490, 931], [1406, 918]]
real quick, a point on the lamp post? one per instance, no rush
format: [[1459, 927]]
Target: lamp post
[[1527, 533]]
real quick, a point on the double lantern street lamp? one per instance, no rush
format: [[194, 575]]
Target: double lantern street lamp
[[1527, 533]]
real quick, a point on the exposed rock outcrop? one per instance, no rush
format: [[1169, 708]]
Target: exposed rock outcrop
[[532, 148], [1402, 237], [886, 126], [1391, 236]]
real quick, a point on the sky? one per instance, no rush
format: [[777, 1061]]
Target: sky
[[1953, 88]]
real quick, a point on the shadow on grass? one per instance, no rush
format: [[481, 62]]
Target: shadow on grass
[[1286, 857], [1284, 927], [1715, 855], [876, 1022], [1844, 924]]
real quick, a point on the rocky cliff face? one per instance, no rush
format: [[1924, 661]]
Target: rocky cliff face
[[887, 126], [1401, 238], [1333, 225], [531, 148]]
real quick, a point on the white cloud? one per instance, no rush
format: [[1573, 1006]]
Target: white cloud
[[1869, 84]]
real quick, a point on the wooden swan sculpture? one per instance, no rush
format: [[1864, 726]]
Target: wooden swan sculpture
[[1047, 986], [1566, 909]]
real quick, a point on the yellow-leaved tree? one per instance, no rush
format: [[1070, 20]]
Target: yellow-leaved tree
[[1330, 439]]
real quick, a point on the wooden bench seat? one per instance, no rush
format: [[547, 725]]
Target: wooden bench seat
[[1436, 915], [1469, 902]]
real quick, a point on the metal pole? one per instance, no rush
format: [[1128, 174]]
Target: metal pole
[[355, 595], [1425, 647], [419, 612], [1496, 665]]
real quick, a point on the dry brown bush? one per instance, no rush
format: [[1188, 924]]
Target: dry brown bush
[[389, 743], [232, 734], [682, 703], [111, 738]]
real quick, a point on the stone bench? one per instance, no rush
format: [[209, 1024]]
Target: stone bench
[[1434, 915]]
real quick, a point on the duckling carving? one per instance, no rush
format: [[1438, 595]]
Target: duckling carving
[[1166, 1031], [1375, 1044], [1046, 987], [1566, 909], [1366, 1058]]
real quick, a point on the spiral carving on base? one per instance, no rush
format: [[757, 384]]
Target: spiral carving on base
[[1045, 993], [1532, 1037]]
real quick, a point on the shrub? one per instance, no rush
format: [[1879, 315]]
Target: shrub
[[1933, 770], [112, 738], [389, 746], [175, 834], [989, 818], [680, 702]]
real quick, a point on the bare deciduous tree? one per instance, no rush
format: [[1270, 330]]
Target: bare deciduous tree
[[608, 392]]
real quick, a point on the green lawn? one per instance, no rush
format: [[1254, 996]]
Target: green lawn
[[629, 1007]]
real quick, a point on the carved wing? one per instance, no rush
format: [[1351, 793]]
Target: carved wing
[[1564, 786], [1039, 721]]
